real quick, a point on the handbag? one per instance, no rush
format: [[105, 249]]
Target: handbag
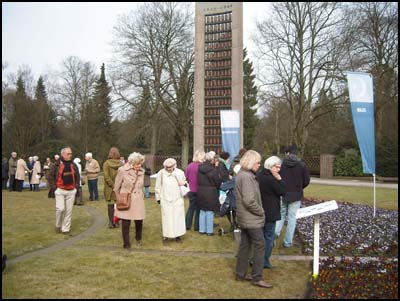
[[183, 188], [124, 201]]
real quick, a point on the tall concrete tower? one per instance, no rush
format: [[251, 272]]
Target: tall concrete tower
[[218, 70]]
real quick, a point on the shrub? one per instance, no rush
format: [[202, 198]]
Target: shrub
[[348, 164]]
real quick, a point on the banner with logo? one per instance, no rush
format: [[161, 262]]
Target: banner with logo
[[362, 107], [230, 130]]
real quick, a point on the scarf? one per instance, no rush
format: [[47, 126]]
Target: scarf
[[67, 175]]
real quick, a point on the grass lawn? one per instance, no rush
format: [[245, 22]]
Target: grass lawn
[[385, 198], [98, 267]]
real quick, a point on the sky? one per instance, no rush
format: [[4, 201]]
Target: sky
[[42, 34]]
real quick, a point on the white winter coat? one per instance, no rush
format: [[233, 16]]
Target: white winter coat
[[172, 207]]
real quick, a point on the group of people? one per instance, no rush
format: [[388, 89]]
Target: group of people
[[263, 197], [14, 170]]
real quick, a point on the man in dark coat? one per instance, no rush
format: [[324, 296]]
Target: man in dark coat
[[295, 174], [4, 172]]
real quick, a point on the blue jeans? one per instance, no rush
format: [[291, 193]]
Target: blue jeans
[[146, 191], [288, 210], [269, 236], [206, 222], [93, 191], [192, 210]]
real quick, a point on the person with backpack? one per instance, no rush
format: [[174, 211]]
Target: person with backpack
[[65, 180], [294, 173]]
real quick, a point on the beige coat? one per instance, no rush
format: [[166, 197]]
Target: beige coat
[[36, 173], [172, 205], [21, 167], [92, 169], [124, 181]]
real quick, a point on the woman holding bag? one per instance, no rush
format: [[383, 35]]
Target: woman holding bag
[[169, 196], [130, 179]]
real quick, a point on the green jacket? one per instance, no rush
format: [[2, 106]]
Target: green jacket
[[110, 169]]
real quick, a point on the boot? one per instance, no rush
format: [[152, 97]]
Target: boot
[[110, 208]]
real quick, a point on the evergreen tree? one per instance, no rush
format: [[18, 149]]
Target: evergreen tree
[[250, 90], [45, 113], [20, 128], [99, 118]]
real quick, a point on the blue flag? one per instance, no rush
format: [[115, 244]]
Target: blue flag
[[230, 129], [362, 108]]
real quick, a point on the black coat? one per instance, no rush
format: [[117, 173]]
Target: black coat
[[271, 191], [209, 180], [296, 176], [4, 169]]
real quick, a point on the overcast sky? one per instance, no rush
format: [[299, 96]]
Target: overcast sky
[[41, 35]]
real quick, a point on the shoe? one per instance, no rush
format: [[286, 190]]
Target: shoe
[[287, 246], [57, 229], [138, 243], [245, 278], [262, 283], [67, 233], [269, 266], [127, 247], [164, 241], [110, 225], [210, 234], [178, 240], [202, 232]]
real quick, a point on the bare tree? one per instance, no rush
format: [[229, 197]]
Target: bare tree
[[300, 44], [375, 44], [156, 44], [72, 91]]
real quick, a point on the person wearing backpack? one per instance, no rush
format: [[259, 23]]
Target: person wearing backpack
[[66, 180]]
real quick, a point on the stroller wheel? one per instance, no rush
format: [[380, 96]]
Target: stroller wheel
[[220, 231]]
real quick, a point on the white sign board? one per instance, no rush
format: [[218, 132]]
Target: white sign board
[[316, 209]]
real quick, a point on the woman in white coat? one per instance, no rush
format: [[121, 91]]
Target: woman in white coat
[[168, 194], [36, 173]]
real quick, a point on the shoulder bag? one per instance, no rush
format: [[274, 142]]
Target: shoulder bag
[[124, 199]]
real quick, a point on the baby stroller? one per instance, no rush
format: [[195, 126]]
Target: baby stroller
[[228, 207]]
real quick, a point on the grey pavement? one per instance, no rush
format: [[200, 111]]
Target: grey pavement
[[352, 182]]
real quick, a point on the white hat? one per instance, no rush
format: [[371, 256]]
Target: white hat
[[77, 160]]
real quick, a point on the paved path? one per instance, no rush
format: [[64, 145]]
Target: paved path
[[349, 182]]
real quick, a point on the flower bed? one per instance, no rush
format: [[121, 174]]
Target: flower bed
[[351, 230], [354, 278]]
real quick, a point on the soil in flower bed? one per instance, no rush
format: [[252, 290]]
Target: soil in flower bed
[[355, 278], [351, 230]]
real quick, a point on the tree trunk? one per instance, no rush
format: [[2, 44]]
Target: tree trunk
[[153, 145]]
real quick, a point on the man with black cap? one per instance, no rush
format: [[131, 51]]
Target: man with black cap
[[296, 176]]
